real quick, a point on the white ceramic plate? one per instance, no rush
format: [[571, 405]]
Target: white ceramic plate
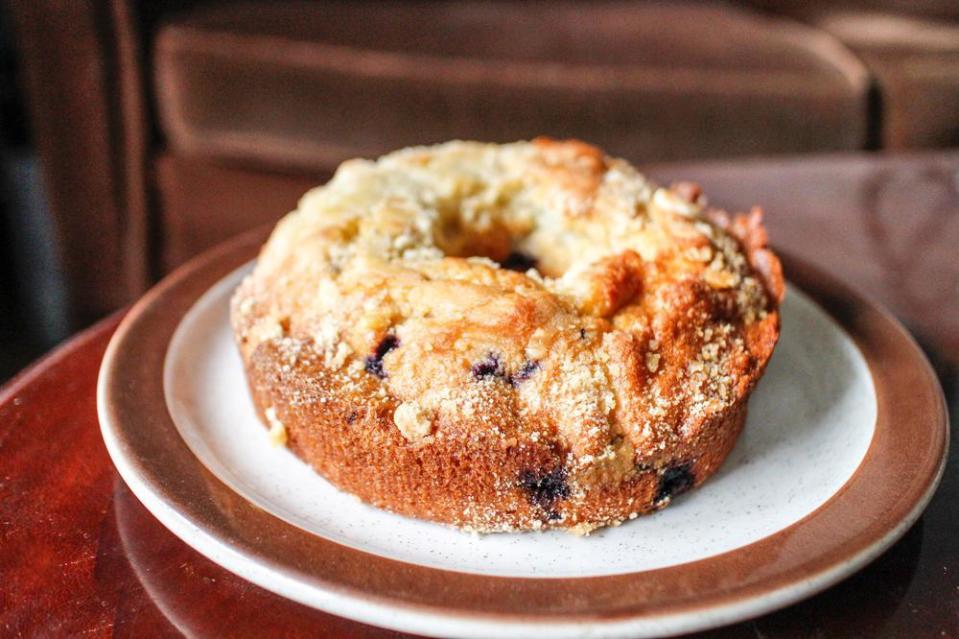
[[810, 423], [843, 448]]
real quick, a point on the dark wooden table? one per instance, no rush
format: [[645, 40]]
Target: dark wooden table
[[79, 556]]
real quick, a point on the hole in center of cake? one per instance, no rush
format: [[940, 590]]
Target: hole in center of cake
[[494, 241], [518, 261]]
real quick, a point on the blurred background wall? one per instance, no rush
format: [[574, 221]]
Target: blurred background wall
[[137, 133]]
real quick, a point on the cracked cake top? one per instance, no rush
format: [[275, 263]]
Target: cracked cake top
[[516, 292]]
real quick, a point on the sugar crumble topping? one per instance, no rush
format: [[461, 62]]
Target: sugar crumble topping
[[405, 281]]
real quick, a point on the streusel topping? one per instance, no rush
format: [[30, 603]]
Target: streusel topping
[[529, 290]]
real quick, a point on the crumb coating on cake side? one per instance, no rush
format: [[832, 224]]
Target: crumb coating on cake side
[[506, 337]]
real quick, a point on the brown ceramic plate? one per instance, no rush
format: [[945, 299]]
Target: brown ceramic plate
[[845, 445]]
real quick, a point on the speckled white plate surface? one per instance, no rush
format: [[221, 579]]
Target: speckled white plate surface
[[810, 423]]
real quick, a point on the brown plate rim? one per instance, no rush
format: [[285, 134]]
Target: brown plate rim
[[886, 494]]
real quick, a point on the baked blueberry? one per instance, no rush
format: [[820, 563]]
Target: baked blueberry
[[374, 362], [524, 373], [490, 366], [675, 480], [544, 489]]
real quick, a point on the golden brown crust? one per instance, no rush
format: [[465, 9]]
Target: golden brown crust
[[576, 394], [485, 484]]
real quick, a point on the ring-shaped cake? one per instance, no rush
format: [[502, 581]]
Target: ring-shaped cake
[[509, 337]]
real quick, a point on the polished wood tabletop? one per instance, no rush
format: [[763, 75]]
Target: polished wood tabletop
[[79, 555]]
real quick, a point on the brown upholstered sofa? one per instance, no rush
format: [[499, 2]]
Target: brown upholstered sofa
[[165, 127]]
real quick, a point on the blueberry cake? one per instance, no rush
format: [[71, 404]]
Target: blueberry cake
[[508, 337]]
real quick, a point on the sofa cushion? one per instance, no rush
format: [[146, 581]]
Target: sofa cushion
[[295, 84], [916, 66]]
